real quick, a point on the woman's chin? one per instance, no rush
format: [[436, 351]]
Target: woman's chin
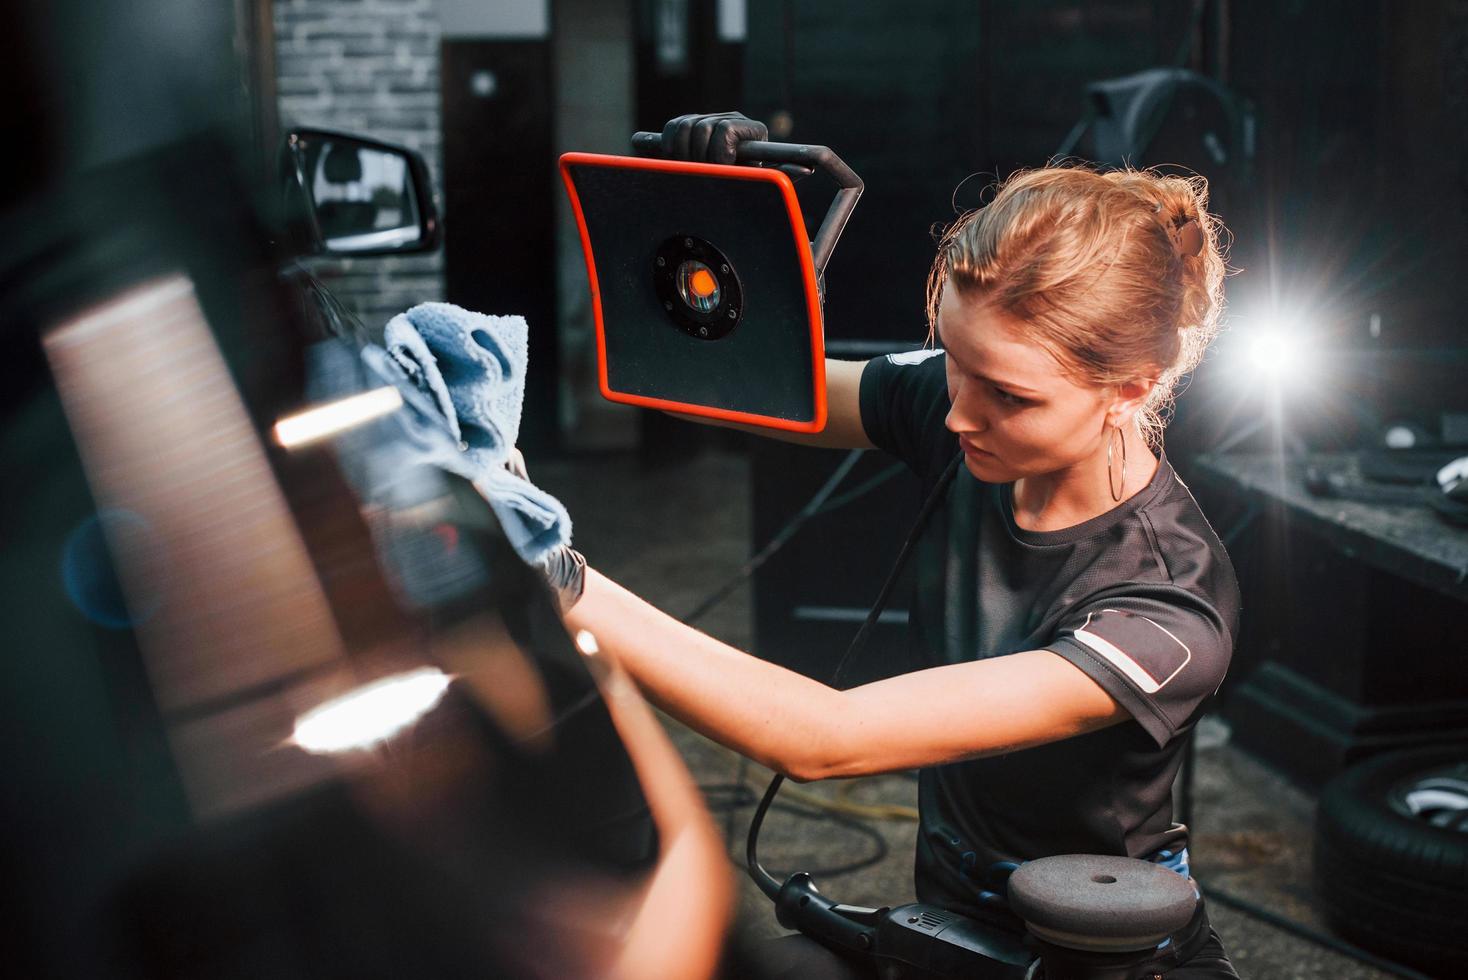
[[985, 466]]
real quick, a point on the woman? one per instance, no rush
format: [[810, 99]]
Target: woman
[[1095, 608]]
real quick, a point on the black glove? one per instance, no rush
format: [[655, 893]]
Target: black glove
[[710, 138], [564, 568]]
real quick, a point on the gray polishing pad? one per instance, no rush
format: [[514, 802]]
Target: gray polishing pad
[[1091, 901]]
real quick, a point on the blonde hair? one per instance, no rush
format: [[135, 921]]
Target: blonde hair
[[1105, 269]]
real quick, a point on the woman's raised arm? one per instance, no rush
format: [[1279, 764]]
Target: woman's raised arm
[[806, 730], [843, 413]]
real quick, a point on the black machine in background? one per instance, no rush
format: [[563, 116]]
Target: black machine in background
[[1166, 116]]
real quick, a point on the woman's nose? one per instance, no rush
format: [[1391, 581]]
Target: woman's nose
[[963, 415]]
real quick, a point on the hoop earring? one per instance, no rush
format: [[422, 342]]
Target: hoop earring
[[1111, 480]]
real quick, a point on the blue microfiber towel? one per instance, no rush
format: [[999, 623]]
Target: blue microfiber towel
[[474, 366], [462, 375]]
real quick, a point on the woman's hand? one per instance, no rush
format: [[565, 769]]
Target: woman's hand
[[710, 138], [564, 569]]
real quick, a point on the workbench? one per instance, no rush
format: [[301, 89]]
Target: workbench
[[1353, 637]]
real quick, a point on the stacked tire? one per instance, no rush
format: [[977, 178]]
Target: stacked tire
[[1391, 856]]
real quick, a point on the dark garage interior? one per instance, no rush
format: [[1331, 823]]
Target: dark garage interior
[[430, 514]]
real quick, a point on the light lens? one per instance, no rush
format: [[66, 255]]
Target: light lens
[[702, 283], [697, 286]]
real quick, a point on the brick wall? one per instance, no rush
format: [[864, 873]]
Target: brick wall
[[368, 67]]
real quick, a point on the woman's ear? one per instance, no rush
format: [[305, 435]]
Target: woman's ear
[[1128, 399]]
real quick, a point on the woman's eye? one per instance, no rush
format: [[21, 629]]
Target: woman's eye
[[1008, 398]]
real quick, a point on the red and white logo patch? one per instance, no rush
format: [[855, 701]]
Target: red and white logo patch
[[1146, 652]]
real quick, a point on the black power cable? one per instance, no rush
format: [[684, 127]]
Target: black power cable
[[739, 794], [766, 881], [781, 538], [770, 885], [862, 489], [821, 502]]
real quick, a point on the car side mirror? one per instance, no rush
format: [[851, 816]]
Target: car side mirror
[[351, 196]]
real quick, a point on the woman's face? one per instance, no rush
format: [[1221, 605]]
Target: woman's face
[[1015, 412]]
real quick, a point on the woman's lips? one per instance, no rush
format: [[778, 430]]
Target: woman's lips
[[972, 450]]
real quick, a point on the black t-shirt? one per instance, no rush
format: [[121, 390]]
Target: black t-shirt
[[1142, 598]]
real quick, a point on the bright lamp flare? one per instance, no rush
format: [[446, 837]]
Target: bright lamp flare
[[1274, 352], [372, 713], [338, 416]]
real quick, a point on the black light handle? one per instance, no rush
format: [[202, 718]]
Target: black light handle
[[797, 158]]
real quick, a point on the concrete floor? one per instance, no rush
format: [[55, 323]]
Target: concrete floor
[[675, 532]]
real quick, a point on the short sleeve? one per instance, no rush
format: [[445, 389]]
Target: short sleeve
[[1160, 652], [904, 400]]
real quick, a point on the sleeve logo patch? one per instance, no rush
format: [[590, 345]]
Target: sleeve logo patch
[[1146, 652], [907, 358]]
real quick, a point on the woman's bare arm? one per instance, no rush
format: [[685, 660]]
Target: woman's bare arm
[[807, 730], [843, 413]]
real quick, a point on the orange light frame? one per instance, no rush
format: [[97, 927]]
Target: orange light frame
[[807, 271]]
